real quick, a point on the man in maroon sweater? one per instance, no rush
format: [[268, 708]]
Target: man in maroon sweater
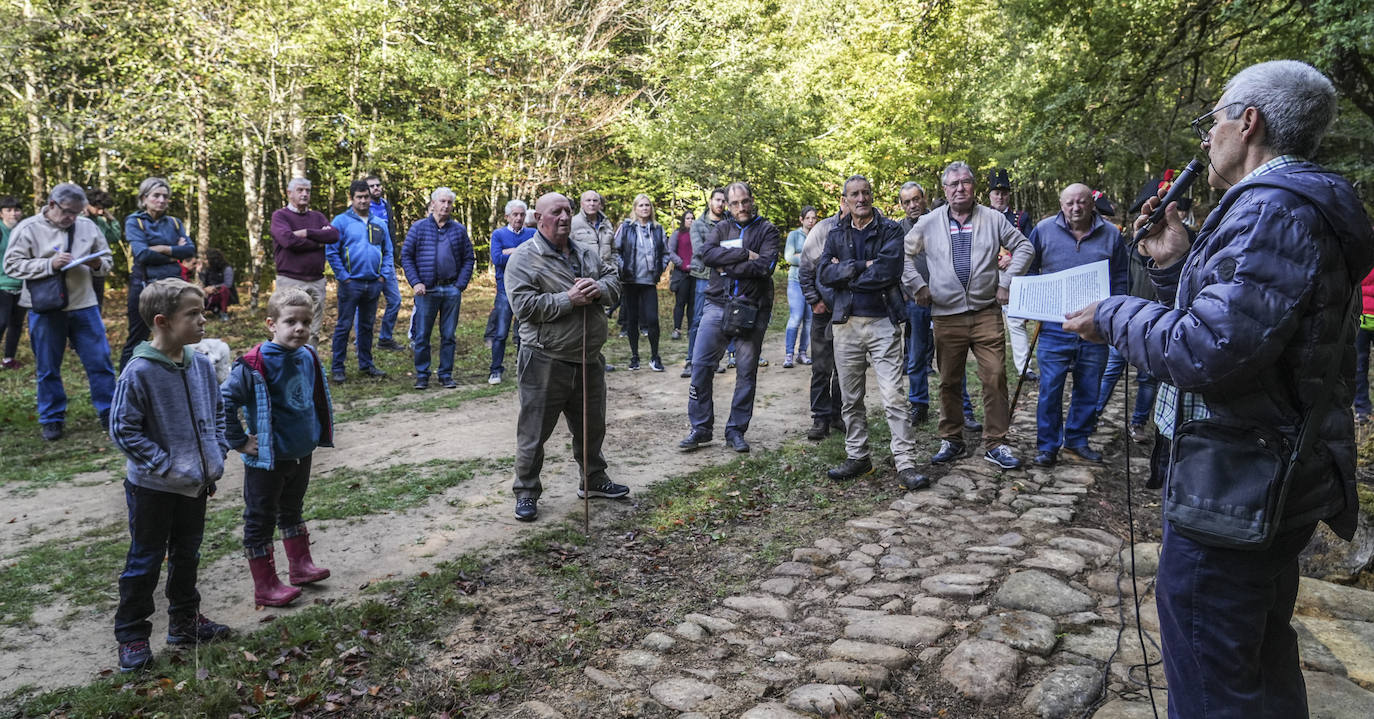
[[299, 235]]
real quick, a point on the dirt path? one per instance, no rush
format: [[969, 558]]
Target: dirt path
[[647, 417]]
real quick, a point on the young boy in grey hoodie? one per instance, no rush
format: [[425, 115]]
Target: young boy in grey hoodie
[[168, 418]]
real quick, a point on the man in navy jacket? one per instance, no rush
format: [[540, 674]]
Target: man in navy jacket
[[438, 259], [1255, 325]]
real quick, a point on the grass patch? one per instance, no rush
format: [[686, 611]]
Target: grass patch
[[81, 571]]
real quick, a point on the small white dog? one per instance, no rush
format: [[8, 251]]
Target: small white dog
[[219, 353]]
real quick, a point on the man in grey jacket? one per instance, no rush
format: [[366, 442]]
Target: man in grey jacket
[[701, 230], [559, 290], [965, 292]]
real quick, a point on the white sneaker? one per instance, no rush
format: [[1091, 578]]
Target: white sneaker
[[495, 378]]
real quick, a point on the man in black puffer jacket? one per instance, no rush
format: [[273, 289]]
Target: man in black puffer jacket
[[1254, 326]]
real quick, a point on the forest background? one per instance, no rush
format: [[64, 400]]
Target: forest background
[[229, 99]]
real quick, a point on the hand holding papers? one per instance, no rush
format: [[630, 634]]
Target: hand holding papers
[[1049, 297], [84, 259]]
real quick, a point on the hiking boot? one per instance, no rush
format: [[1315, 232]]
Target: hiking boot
[[686, 370], [302, 567], [195, 630], [1085, 453], [374, 372], [1045, 459], [421, 383], [526, 509], [949, 451], [787, 362], [656, 364], [268, 591], [850, 468], [918, 414], [134, 655], [911, 480], [1002, 457], [448, 383], [803, 358], [737, 443], [819, 429], [694, 440], [389, 345], [337, 378], [971, 424], [604, 488], [52, 431]]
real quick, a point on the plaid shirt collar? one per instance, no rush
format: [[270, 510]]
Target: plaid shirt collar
[[1274, 164]]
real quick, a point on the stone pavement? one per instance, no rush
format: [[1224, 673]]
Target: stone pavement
[[983, 580]]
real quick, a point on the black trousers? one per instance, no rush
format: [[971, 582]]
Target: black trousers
[[138, 331], [825, 381], [273, 498], [11, 321], [161, 524], [684, 299], [641, 311]]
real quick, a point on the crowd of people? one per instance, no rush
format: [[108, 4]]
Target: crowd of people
[[1245, 324]]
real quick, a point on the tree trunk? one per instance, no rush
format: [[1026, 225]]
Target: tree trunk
[[297, 130], [252, 202], [202, 166]]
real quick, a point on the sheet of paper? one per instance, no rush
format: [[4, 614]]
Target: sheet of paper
[[1049, 297], [735, 243], [85, 258]]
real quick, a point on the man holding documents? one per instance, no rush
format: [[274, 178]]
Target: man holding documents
[[46, 245], [1075, 237], [965, 292]]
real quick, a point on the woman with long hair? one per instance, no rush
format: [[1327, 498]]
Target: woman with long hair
[[681, 284], [799, 313], [643, 252]]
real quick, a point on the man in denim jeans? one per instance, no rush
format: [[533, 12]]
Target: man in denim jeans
[[501, 322], [360, 260], [438, 260], [1254, 325]]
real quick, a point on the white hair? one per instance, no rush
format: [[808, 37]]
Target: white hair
[[442, 192], [297, 182], [913, 185], [67, 193], [956, 166], [514, 205], [1296, 101]]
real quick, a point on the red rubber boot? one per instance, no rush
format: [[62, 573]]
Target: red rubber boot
[[268, 591], [303, 569]]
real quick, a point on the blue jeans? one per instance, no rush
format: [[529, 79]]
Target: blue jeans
[[798, 319], [502, 322], [161, 524], [441, 302], [391, 291], [920, 349], [50, 333], [698, 306], [1145, 388], [1058, 354], [356, 297], [701, 409], [1363, 338], [1224, 618]]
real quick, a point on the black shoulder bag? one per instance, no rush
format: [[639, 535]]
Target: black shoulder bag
[[49, 294], [741, 313], [1229, 478]]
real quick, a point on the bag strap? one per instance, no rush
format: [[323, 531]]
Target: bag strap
[[1306, 435], [71, 237]]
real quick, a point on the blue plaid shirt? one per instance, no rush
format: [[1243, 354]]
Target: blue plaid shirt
[[1193, 407]]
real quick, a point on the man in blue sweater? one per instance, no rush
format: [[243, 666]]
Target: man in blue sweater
[[359, 260], [438, 260], [503, 243], [1076, 236]]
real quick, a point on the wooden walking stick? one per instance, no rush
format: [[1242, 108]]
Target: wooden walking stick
[[1021, 377], [586, 491]]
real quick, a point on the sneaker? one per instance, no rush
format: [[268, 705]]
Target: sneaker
[[763, 362], [526, 509], [622, 334], [730, 361], [803, 358], [787, 362], [374, 372], [819, 429], [694, 440], [389, 345], [337, 378], [677, 334], [1002, 457], [1085, 453], [421, 383], [644, 333], [196, 631], [1140, 435], [656, 364], [448, 382], [686, 370], [1045, 459], [737, 443], [11, 363], [134, 655], [605, 488], [971, 424], [949, 451], [911, 480], [52, 431], [610, 367], [850, 468], [918, 414], [634, 364], [720, 369], [495, 378], [1030, 377]]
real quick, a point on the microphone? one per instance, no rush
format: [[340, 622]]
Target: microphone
[[1176, 190]]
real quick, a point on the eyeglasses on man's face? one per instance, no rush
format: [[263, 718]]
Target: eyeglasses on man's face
[[1205, 132]]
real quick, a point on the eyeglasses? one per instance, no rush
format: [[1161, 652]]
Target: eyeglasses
[[956, 183], [1204, 133]]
